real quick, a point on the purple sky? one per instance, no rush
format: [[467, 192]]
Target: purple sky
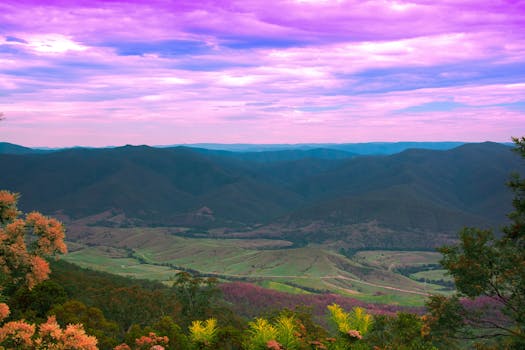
[[251, 71]]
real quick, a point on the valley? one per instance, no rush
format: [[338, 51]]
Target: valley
[[157, 253], [313, 220]]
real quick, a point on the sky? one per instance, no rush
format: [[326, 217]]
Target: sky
[[159, 72]]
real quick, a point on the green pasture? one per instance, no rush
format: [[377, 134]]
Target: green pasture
[[96, 258], [390, 259], [368, 275]]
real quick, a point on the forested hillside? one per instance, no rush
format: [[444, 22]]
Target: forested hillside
[[301, 195]]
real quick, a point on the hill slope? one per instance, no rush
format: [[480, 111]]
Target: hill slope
[[155, 186], [415, 193], [10, 148], [469, 179]]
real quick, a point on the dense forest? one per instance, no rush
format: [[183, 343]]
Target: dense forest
[[46, 303], [415, 199]]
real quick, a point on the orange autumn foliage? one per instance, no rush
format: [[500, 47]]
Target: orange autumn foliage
[[8, 211], [273, 345], [17, 335], [147, 342], [51, 336], [24, 242], [4, 311], [150, 341], [21, 335]]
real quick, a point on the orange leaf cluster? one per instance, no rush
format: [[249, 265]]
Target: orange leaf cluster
[[50, 232], [151, 340], [316, 344], [17, 335], [273, 345], [4, 311], [25, 242], [21, 335], [354, 334], [39, 271], [8, 211]]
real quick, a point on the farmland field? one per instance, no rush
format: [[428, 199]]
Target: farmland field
[[158, 254], [114, 261], [392, 259]]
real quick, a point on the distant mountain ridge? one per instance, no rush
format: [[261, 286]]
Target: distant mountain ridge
[[315, 149], [280, 155], [310, 195], [364, 148], [263, 152], [10, 148]]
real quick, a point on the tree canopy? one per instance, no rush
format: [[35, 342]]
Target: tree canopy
[[489, 270]]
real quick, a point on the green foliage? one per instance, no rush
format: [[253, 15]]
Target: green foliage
[[123, 300], [445, 320], [473, 263], [33, 305], [402, 332], [308, 329], [229, 338], [483, 265], [197, 296], [166, 326], [94, 321], [135, 331]]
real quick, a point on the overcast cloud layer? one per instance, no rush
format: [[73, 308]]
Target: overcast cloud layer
[[165, 72]]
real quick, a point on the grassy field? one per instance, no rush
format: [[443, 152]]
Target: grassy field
[[282, 287], [157, 253], [390, 260], [104, 259]]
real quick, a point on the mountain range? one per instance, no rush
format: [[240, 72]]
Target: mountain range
[[365, 148], [308, 195]]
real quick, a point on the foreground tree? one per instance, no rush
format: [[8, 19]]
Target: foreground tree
[[197, 296], [490, 271], [24, 245], [404, 331]]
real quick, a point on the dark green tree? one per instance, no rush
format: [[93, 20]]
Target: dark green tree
[[33, 304], [167, 327], [198, 297], [490, 270], [94, 321], [405, 331]]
